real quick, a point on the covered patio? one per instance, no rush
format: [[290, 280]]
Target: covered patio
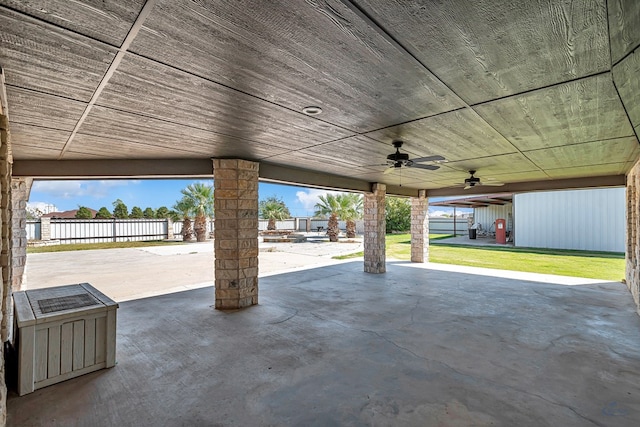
[[370, 96]]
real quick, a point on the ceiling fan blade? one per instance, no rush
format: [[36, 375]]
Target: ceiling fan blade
[[428, 167], [466, 187], [389, 170], [428, 159]]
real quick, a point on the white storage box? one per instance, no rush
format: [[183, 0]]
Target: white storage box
[[63, 332]]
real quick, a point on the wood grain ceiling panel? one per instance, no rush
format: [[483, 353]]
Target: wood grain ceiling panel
[[580, 171], [42, 110], [295, 55], [580, 111], [107, 21], [33, 152], [624, 21], [154, 90], [324, 163], [110, 147], [495, 165], [457, 179], [131, 134], [456, 135], [59, 62], [33, 142], [350, 156], [627, 78], [617, 151], [489, 49]]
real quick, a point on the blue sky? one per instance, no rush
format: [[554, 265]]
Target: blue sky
[[67, 195]]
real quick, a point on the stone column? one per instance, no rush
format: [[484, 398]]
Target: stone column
[[5, 290], [20, 188], [45, 229], [374, 230], [236, 227], [170, 234], [5, 214], [420, 227], [632, 273]]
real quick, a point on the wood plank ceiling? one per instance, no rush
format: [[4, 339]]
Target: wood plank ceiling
[[520, 91]]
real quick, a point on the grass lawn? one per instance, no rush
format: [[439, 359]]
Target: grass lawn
[[107, 245], [594, 265]]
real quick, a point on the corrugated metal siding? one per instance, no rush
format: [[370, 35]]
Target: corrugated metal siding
[[487, 216], [577, 219]]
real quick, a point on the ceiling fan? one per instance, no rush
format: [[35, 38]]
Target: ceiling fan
[[472, 181], [398, 160]]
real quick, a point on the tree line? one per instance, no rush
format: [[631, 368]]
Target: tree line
[[198, 199], [346, 207]]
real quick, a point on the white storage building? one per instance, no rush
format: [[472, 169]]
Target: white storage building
[[589, 219]]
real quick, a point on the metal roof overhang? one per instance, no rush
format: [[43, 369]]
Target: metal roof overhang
[[477, 201]]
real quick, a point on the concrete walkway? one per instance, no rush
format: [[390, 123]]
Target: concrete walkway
[[422, 345]]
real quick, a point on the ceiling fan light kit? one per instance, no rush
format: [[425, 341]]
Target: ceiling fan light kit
[[472, 181], [399, 160]]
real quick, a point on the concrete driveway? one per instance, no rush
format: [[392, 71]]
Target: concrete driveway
[[132, 273]]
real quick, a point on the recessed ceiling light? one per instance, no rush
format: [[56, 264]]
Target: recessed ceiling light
[[312, 111]]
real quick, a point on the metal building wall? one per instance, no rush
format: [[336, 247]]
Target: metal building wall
[[486, 216], [576, 219]]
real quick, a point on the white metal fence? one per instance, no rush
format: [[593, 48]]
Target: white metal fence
[[68, 231], [441, 225]]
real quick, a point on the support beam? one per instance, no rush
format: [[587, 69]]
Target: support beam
[[105, 169], [295, 176], [236, 227], [547, 185], [374, 230], [420, 227]]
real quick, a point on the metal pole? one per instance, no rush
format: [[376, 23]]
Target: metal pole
[[454, 222]]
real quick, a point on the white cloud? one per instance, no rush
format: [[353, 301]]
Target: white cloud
[[74, 188], [438, 213], [43, 207], [309, 198]]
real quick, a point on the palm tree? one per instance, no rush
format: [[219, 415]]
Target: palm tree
[[351, 209], [200, 197], [329, 205], [184, 208], [273, 209], [347, 207]]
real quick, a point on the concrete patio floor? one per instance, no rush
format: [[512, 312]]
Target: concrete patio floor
[[332, 346]]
